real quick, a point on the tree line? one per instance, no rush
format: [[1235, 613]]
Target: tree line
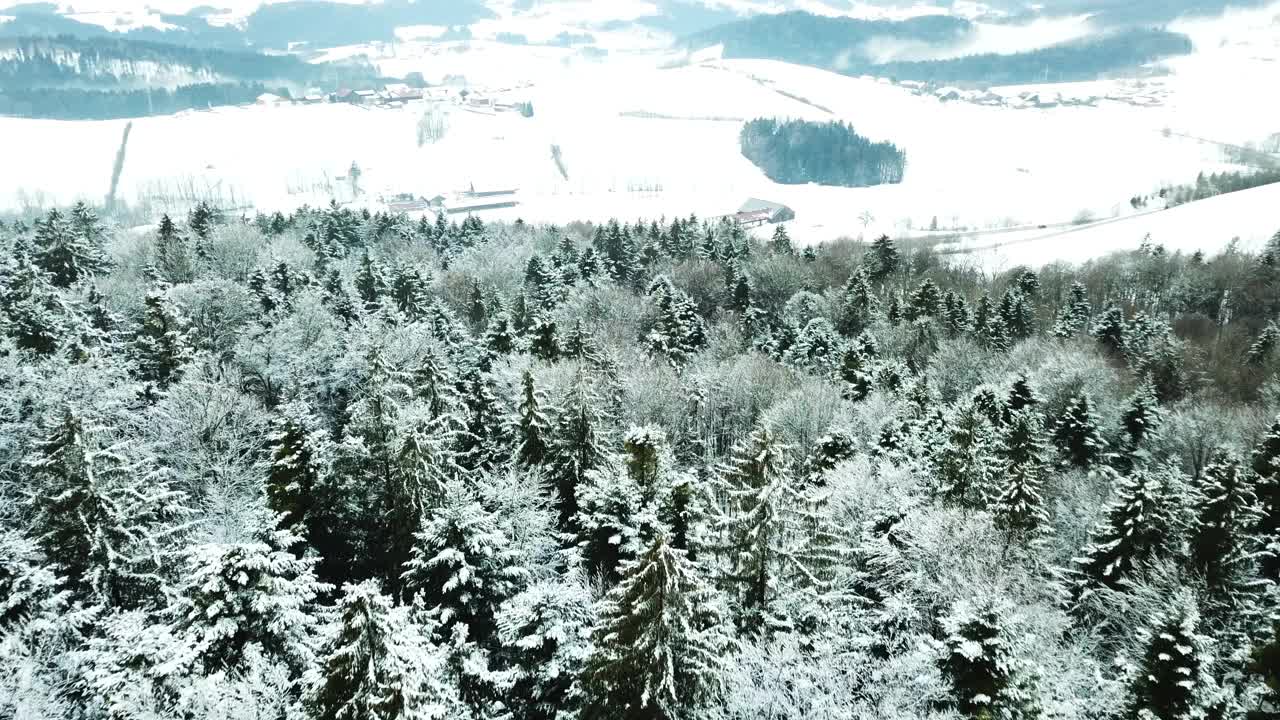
[[832, 153], [335, 464]]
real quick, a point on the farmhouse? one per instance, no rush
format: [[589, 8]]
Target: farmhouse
[[755, 212]]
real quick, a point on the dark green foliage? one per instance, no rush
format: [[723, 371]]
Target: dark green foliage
[[534, 424], [1109, 330], [1019, 507], [1222, 543], [979, 664], [1171, 679], [575, 450], [796, 152], [70, 249], [1142, 417], [162, 345], [657, 652], [1077, 434]]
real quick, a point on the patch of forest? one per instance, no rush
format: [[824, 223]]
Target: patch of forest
[[105, 78], [841, 45], [339, 464], [795, 152]]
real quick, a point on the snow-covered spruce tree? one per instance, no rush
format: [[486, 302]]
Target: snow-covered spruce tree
[[1266, 465], [1142, 417], [1017, 313], [576, 449], [672, 326], [658, 650], [377, 665], [956, 316], [1143, 522], [1021, 397], [986, 679], [171, 254], [545, 633], [534, 429], [371, 282], [766, 537], [1109, 330], [499, 335], [106, 517], [69, 250], [1077, 434], [162, 346], [240, 597], [544, 338], [300, 453], [817, 347], [1019, 508], [621, 504], [1264, 346], [781, 242], [486, 440], [967, 463], [883, 260], [1171, 681], [1222, 543], [926, 301], [1074, 317], [858, 304], [409, 292], [34, 314]]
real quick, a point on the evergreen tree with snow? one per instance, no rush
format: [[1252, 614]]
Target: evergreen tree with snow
[[1021, 397], [171, 253], [1265, 463], [658, 652], [989, 327], [545, 636], [34, 314], [162, 345], [106, 516], [967, 464], [1222, 544], [1077, 435], [1171, 680], [484, 444], [544, 340], [477, 309], [855, 372], [1019, 507], [1029, 284], [978, 663], [1143, 522], [408, 290], [781, 242], [1074, 317], [377, 665], [69, 250], [1017, 314], [576, 449], [926, 301], [1264, 346], [299, 451], [1141, 419], [955, 312], [1109, 330], [236, 595], [883, 259], [673, 328], [535, 429], [371, 282], [620, 504], [499, 335], [858, 304]]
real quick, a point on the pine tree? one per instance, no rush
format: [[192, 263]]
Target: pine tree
[[484, 444], [1029, 284], [989, 327], [544, 632], [34, 314], [104, 516], [1019, 508], [1171, 680], [237, 595], [575, 450], [979, 664], [926, 301], [1021, 397], [1262, 348], [967, 464], [299, 451], [1075, 316], [673, 327], [858, 304], [657, 653], [1143, 522], [762, 519], [1141, 419], [535, 429], [377, 666], [1077, 435], [1109, 330], [70, 250], [855, 372], [1226, 513], [409, 291], [620, 504], [1266, 464], [477, 310], [1017, 314], [781, 242], [884, 259], [544, 342], [172, 255], [162, 345], [955, 314], [371, 282]]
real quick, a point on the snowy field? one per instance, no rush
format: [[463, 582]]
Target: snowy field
[[641, 140]]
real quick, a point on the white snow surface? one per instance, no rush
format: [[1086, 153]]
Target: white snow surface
[[642, 139]]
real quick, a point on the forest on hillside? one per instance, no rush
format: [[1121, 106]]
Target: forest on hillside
[[795, 152], [68, 78], [335, 464], [845, 45]]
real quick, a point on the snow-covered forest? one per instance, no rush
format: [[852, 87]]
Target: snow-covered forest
[[337, 466]]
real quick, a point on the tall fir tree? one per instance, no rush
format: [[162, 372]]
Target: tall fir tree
[[978, 663], [162, 345], [534, 428], [1019, 507], [884, 259], [1074, 317], [1077, 435], [70, 249], [1171, 680], [658, 652], [1223, 546]]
